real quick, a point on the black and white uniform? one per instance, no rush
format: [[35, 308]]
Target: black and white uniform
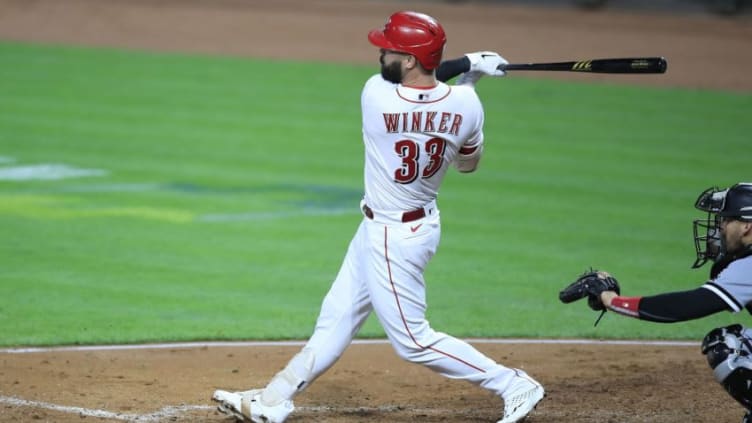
[[733, 284]]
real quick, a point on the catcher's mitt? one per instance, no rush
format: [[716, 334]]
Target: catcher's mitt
[[590, 284]]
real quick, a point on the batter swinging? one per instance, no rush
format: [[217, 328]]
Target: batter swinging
[[414, 128]]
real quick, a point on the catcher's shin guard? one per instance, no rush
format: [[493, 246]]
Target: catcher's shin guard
[[729, 354]]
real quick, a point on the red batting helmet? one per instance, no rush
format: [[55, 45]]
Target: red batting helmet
[[413, 33]]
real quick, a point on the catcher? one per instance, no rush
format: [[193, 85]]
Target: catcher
[[724, 237]]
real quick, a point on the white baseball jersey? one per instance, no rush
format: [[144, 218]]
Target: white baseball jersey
[[411, 136]]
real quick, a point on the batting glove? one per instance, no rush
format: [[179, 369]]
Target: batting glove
[[487, 63]]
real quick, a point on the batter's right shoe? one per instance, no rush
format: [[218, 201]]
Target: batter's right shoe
[[247, 406], [521, 397]]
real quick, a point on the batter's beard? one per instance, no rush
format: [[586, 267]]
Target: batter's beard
[[392, 72]]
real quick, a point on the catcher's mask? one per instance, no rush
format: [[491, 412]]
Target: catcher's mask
[[413, 33], [728, 353], [730, 203]]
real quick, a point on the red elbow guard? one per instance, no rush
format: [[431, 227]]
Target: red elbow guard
[[627, 306]]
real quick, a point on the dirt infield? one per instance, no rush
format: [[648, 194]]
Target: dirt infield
[[585, 383], [598, 382]]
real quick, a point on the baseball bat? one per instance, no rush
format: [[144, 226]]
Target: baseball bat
[[621, 65]]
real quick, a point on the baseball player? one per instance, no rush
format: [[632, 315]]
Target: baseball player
[[725, 237], [414, 128]]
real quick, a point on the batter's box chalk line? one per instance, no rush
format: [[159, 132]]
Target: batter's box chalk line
[[169, 412], [163, 414]]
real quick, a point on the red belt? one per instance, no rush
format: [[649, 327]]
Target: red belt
[[407, 216]]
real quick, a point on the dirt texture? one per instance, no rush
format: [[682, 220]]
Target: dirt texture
[[585, 382]]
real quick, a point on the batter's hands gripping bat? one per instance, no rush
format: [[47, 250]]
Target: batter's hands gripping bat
[[630, 65]]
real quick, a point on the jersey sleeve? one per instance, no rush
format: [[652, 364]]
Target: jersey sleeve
[[734, 284], [476, 140], [476, 137]]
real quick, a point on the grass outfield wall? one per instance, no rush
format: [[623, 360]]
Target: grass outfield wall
[[167, 197]]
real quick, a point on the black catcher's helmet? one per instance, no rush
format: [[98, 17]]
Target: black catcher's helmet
[[734, 202], [738, 202]]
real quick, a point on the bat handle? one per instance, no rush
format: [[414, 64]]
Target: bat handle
[[514, 66]]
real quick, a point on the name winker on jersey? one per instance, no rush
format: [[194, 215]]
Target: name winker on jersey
[[428, 122]]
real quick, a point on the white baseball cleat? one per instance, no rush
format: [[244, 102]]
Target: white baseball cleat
[[247, 406], [521, 397]]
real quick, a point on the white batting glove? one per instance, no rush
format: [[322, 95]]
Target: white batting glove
[[487, 63]]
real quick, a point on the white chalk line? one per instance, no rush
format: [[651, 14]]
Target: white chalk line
[[174, 411], [167, 412], [245, 344]]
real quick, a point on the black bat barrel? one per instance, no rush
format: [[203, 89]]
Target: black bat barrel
[[622, 65]]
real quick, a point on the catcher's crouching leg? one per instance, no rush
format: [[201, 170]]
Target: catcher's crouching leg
[[729, 353]]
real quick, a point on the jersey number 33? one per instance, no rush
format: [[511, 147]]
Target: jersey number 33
[[410, 152]]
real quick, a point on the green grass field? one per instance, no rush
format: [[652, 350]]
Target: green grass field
[[208, 198]]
